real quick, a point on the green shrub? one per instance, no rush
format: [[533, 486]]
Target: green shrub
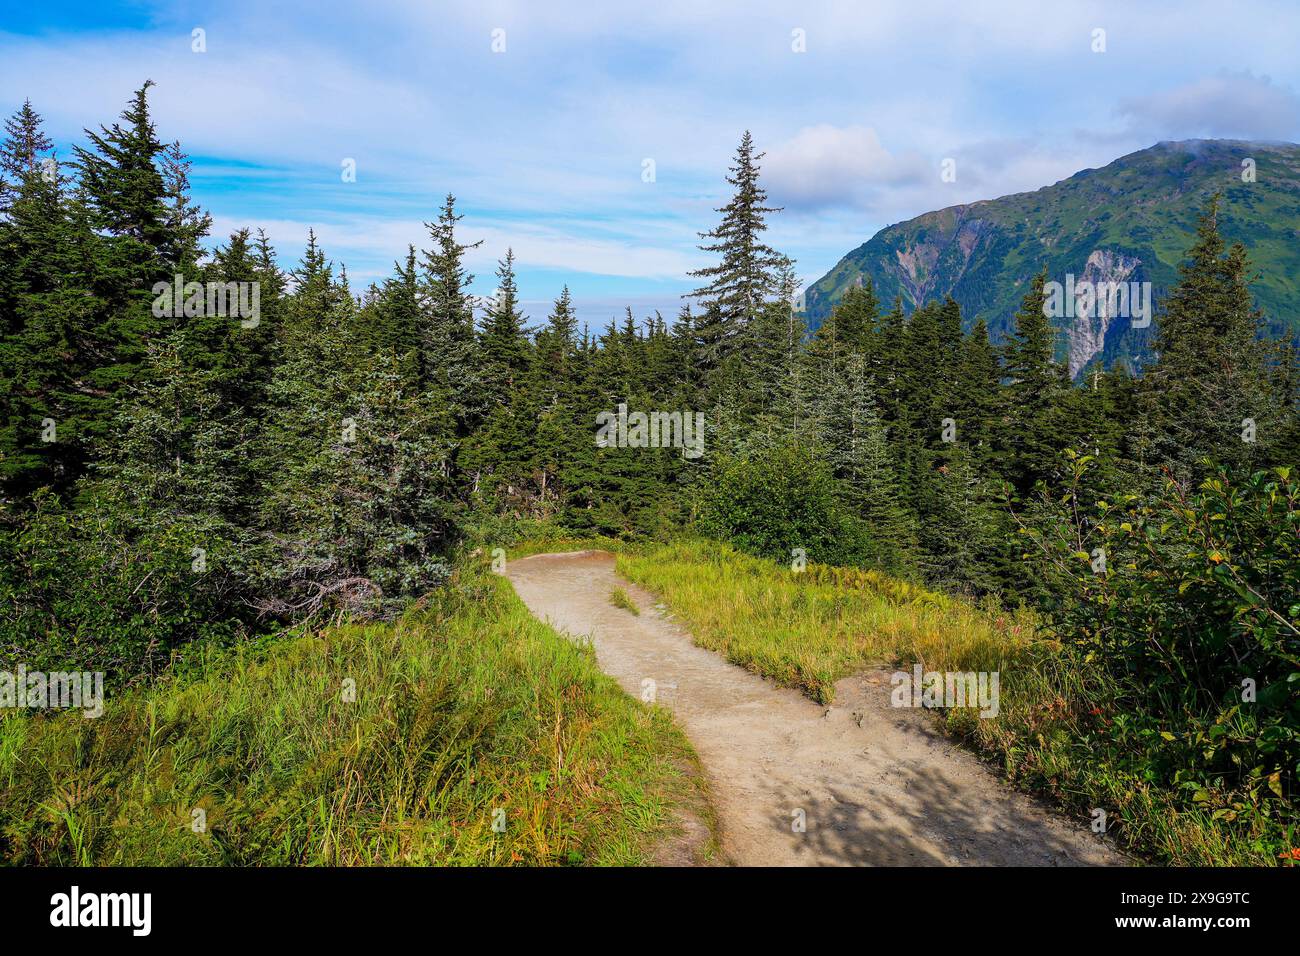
[[779, 499], [1191, 633], [104, 588]]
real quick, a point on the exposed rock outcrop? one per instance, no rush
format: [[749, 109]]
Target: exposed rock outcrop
[[1094, 315]]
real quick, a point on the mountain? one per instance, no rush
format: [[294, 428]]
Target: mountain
[[1128, 222]]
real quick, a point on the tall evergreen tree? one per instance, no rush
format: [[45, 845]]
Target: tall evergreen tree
[[20, 152], [503, 341], [848, 426], [857, 316], [1031, 438], [123, 197], [449, 358], [1210, 393], [546, 409], [188, 223], [239, 348], [748, 272], [400, 319], [126, 191], [57, 337], [977, 399]]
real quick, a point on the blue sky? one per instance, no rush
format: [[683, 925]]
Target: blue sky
[[545, 143]]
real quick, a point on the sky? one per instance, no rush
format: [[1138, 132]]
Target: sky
[[593, 138]]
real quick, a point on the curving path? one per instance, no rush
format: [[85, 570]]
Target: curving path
[[876, 785]]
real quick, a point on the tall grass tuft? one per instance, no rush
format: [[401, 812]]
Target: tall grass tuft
[[620, 598], [378, 744]]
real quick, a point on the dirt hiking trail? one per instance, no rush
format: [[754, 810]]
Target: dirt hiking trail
[[878, 785]]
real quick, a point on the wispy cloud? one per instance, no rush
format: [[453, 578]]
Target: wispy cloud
[[545, 143], [827, 165], [1228, 105]]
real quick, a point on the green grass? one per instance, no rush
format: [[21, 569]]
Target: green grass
[[619, 598], [809, 629], [463, 708]]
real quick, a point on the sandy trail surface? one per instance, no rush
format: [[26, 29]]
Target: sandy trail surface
[[875, 785]]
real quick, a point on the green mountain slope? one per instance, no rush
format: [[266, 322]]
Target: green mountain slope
[[1130, 221]]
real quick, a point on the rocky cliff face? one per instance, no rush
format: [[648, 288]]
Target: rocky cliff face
[[1130, 221], [941, 255], [1095, 316]]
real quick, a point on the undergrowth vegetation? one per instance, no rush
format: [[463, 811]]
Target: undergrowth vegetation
[[620, 598], [1058, 731], [380, 743]]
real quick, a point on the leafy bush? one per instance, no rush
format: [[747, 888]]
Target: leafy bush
[[781, 498], [105, 588], [1191, 630]]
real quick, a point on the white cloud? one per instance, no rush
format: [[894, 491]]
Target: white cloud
[[1228, 105], [827, 165], [543, 145]]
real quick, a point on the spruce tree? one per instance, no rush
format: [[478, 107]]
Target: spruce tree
[[57, 338], [503, 341], [239, 348], [180, 449], [127, 192], [887, 361], [1210, 392], [857, 316], [977, 395], [848, 427], [358, 504], [1031, 439], [124, 200], [400, 319], [958, 532], [552, 392], [20, 152], [748, 272], [449, 359], [188, 223]]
